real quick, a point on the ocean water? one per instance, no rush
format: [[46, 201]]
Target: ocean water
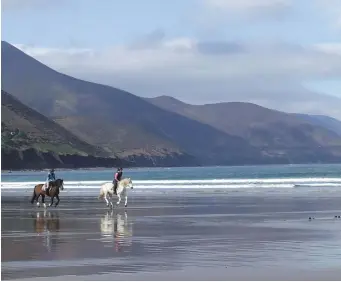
[[241, 178]]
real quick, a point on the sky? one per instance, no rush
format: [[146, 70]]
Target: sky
[[282, 54]]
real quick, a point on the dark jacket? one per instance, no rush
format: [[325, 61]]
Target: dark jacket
[[118, 176]]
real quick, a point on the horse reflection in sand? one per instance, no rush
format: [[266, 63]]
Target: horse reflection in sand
[[115, 229], [46, 223], [107, 191]]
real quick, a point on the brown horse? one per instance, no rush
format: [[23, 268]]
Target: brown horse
[[52, 192]]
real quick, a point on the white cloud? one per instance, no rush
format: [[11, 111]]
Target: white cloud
[[270, 74], [260, 9], [244, 5], [14, 5], [332, 10], [41, 51], [331, 48]]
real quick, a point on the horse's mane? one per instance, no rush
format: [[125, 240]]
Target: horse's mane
[[127, 180], [57, 180]]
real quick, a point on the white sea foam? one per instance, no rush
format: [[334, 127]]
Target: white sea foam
[[197, 183]]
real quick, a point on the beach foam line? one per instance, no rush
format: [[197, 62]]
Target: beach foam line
[[195, 181], [196, 184], [174, 186]]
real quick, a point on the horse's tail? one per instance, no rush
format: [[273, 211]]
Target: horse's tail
[[33, 195], [101, 194]]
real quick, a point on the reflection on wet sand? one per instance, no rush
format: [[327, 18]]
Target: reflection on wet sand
[[116, 230], [200, 237], [45, 223]]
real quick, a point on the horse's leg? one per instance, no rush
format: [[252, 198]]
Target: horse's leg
[[37, 198], [126, 201], [111, 198], [124, 194], [43, 200], [106, 200], [52, 197], [57, 196], [119, 198], [33, 196]]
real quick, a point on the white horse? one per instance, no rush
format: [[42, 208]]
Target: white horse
[[107, 191]]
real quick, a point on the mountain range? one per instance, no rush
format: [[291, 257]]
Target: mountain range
[[30, 140], [261, 126], [101, 122]]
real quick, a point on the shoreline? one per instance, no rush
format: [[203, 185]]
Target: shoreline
[[46, 169], [170, 167]]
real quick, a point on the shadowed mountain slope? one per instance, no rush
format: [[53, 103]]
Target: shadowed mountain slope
[[272, 131], [29, 140], [119, 122], [23, 128]]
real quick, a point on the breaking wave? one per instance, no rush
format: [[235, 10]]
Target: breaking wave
[[197, 183]]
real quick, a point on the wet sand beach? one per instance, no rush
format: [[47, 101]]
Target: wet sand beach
[[173, 236]]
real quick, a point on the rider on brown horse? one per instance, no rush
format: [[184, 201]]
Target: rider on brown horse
[[50, 177], [118, 176]]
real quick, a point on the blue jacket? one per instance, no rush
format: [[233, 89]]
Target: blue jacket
[[51, 176]]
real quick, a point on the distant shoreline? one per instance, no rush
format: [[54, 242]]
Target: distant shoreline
[[46, 169], [93, 168], [165, 167]]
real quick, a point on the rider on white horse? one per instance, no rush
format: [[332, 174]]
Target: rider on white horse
[[117, 178], [50, 177], [106, 190]]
